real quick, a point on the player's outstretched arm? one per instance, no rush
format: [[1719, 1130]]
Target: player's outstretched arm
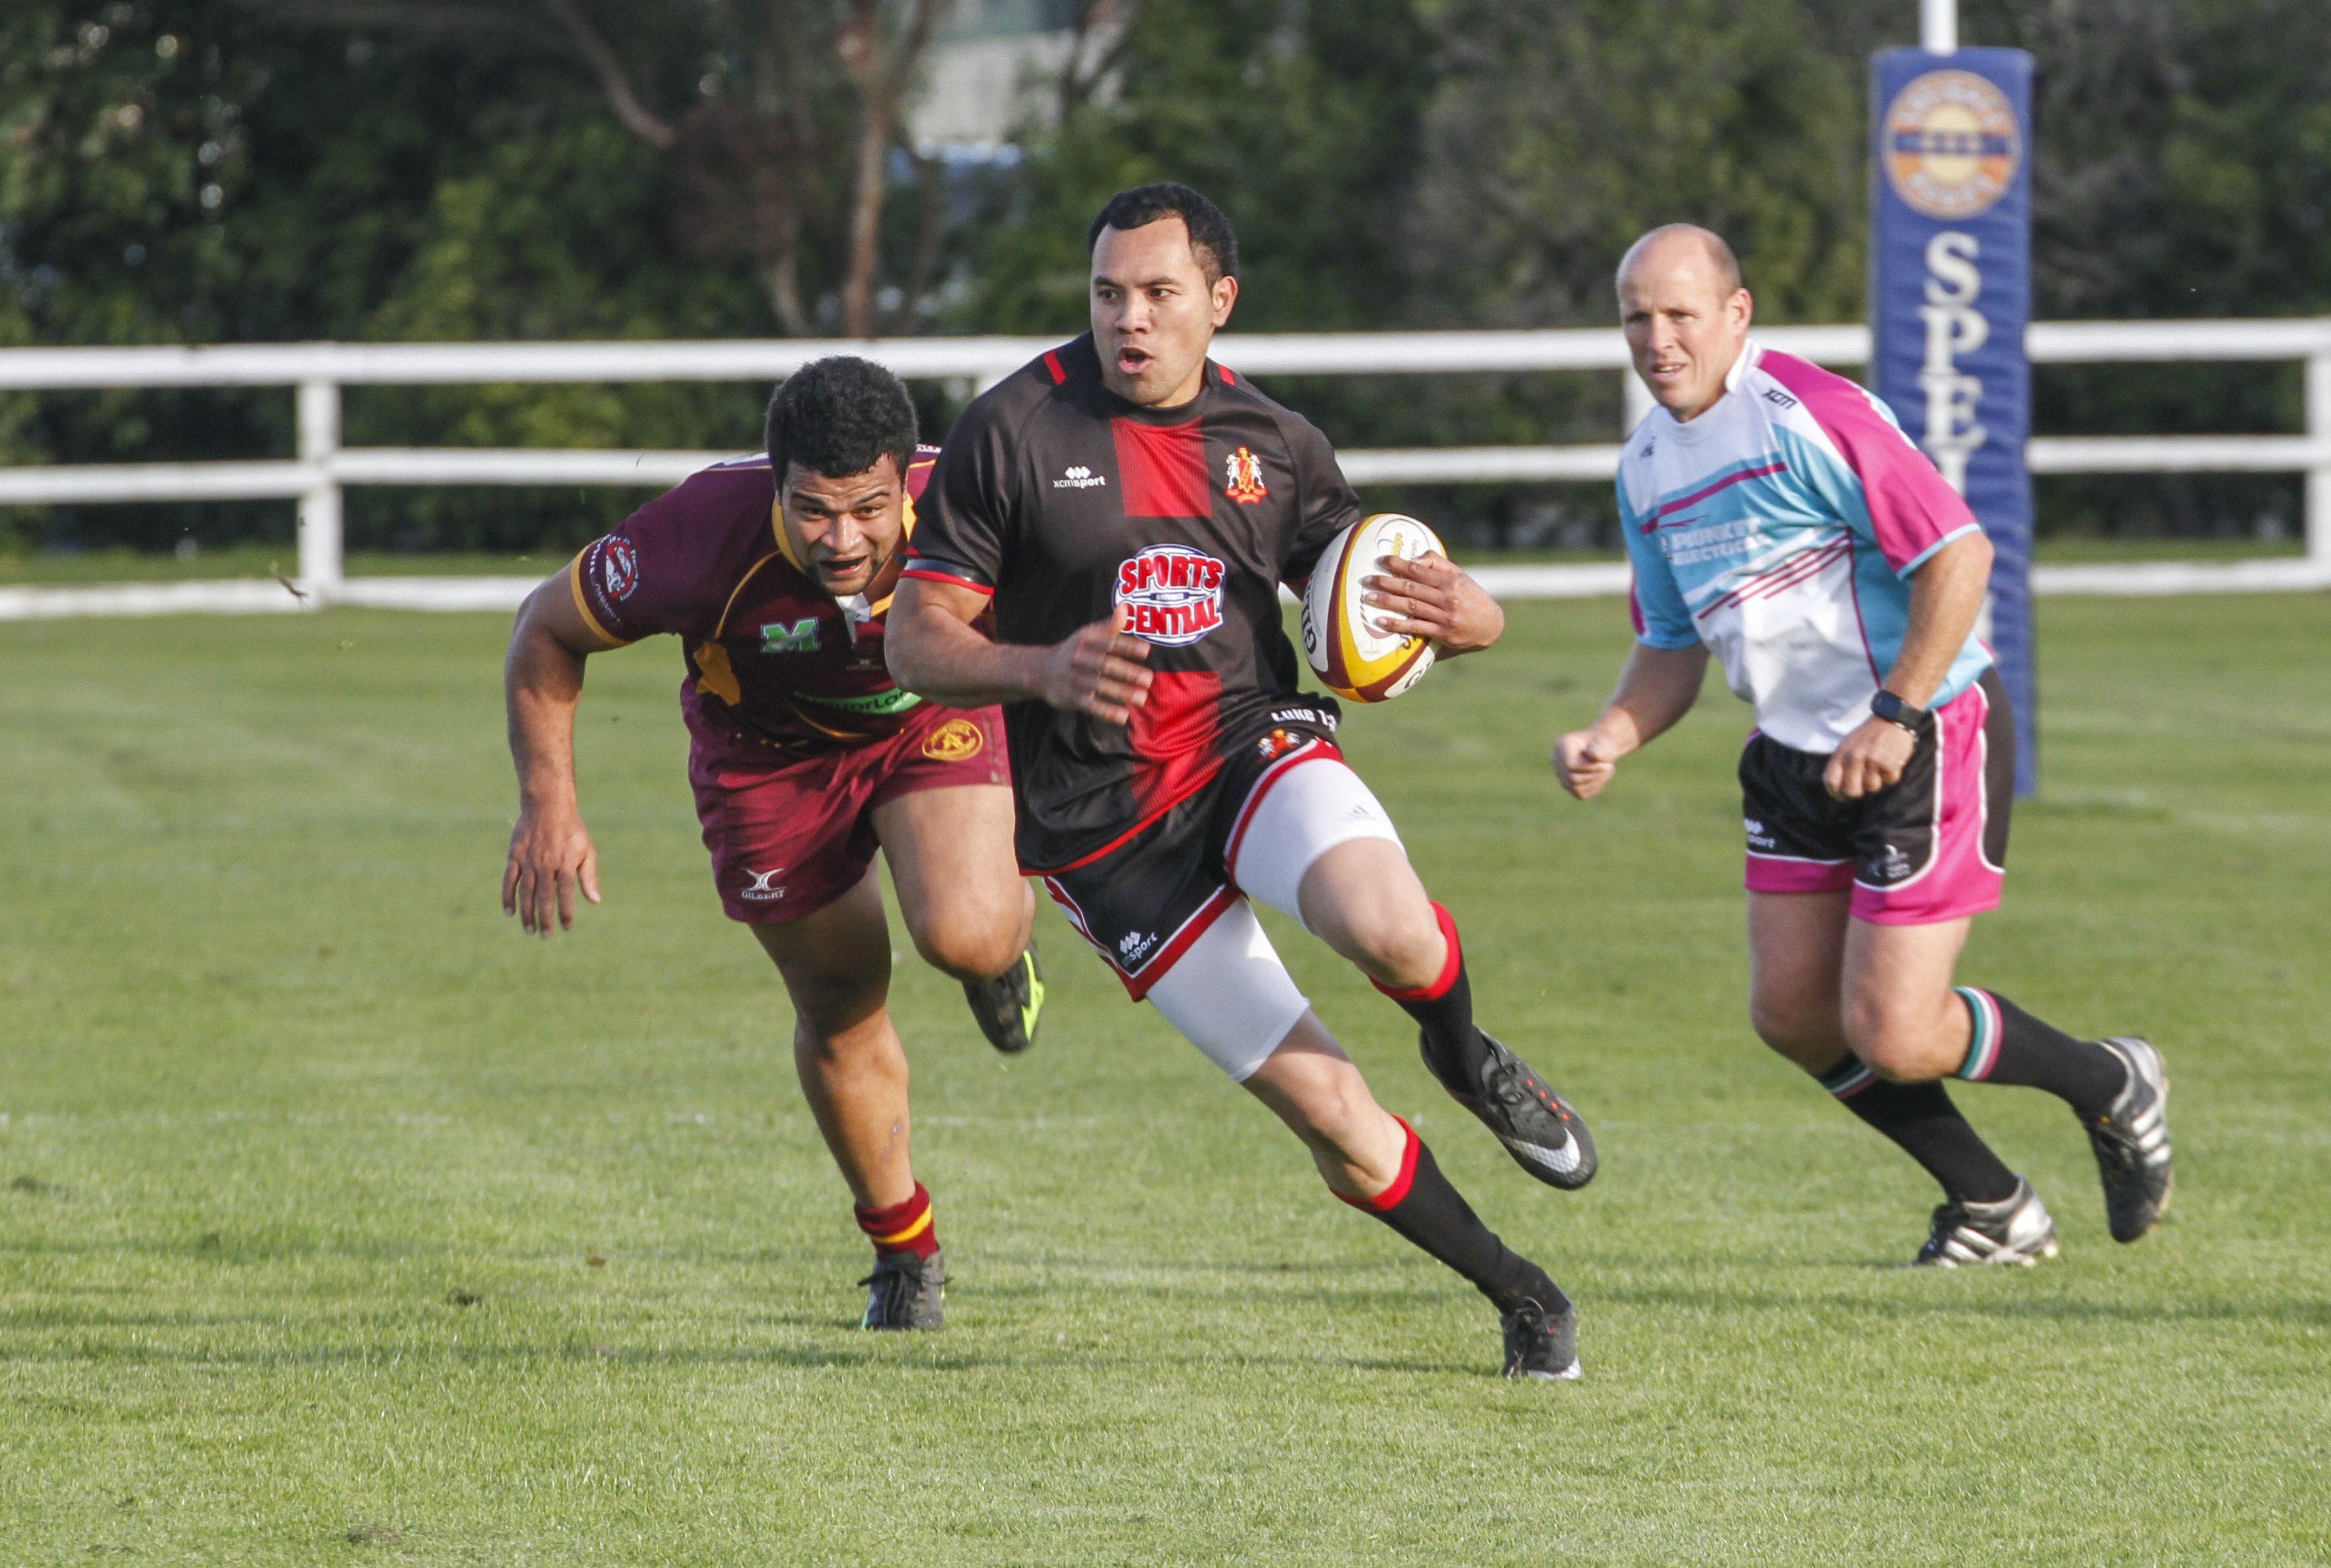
[[1432, 596], [551, 855], [934, 650], [1946, 601], [1656, 689]]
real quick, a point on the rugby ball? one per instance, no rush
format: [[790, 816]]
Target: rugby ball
[[1348, 647]]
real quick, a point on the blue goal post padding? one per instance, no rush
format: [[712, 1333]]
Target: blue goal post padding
[[1950, 294]]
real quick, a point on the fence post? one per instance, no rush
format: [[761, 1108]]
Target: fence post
[[2319, 472], [319, 506]]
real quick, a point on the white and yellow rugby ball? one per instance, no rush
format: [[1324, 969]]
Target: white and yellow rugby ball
[[1342, 637]]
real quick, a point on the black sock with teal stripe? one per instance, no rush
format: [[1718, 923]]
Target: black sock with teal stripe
[[1920, 1118], [2010, 1046]]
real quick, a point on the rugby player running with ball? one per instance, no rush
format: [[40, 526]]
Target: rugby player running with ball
[[776, 572], [1128, 509], [1778, 513]]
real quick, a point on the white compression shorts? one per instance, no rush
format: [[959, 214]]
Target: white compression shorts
[[1227, 994]]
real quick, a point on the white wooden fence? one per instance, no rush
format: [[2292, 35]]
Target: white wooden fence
[[323, 466]]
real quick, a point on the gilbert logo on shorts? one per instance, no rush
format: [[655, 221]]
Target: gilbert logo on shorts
[[1175, 593], [956, 740], [760, 891]]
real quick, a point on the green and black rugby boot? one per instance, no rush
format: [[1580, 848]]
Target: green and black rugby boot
[[2131, 1139], [906, 1291], [1544, 1132], [1539, 1344], [1008, 1006]]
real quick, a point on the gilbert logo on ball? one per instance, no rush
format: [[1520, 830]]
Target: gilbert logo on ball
[[1951, 143], [1173, 593], [1344, 639]]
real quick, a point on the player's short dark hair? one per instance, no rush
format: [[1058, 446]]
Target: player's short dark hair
[[1212, 239], [838, 416]]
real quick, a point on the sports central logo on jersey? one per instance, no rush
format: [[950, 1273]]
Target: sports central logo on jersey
[[1175, 593]]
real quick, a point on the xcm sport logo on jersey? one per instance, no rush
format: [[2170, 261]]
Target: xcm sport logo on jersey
[[1174, 594]]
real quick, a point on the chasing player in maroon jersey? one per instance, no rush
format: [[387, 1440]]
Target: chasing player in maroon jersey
[[1129, 508], [775, 572]]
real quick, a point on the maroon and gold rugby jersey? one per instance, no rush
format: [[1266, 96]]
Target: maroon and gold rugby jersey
[[774, 663], [1062, 501]]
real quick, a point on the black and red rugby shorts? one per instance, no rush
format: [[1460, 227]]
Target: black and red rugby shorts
[[1143, 897], [790, 837]]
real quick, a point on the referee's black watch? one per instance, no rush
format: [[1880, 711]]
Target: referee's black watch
[[1900, 714]]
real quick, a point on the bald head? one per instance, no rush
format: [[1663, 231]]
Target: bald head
[[1671, 247], [1686, 315]]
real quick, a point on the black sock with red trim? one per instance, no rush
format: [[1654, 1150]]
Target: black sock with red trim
[[903, 1227], [1432, 1214], [1924, 1125], [1453, 1047]]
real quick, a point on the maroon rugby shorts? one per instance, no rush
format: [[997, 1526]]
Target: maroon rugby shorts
[[789, 838]]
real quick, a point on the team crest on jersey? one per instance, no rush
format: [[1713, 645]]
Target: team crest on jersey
[[1173, 593], [1951, 143], [1243, 483], [956, 740], [619, 568]]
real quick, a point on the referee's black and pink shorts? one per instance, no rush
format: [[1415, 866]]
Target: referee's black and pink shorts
[[1928, 848]]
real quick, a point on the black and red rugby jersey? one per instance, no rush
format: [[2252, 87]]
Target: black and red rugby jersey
[[774, 663], [1062, 500]]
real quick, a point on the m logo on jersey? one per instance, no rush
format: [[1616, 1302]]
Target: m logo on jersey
[[1079, 477], [1174, 594], [619, 568], [1244, 481], [801, 637]]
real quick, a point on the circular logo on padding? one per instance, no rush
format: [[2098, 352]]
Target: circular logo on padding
[[953, 741], [1951, 145]]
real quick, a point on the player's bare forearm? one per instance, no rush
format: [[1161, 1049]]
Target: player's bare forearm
[[542, 684], [935, 651], [551, 856], [1656, 688], [1946, 601]]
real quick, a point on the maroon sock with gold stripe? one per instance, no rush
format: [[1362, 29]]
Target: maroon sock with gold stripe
[[903, 1227]]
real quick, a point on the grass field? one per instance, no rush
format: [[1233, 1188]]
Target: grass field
[[341, 1224]]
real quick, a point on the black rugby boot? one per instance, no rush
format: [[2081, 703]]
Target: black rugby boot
[[906, 1291], [1539, 1344], [2016, 1229], [2131, 1140], [1006, 1008], [1544, 1132]]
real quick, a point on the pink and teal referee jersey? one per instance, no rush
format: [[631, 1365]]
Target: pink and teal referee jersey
[[1781, 528]]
